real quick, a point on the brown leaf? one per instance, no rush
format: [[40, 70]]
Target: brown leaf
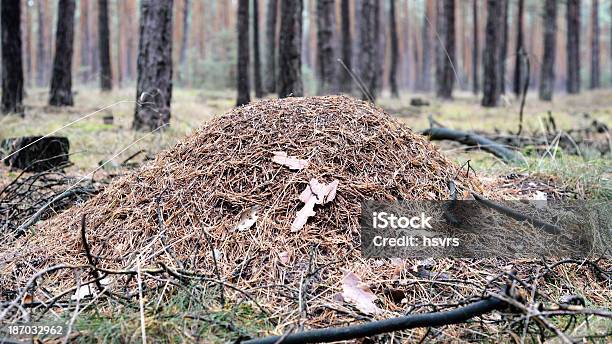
[[359, 294], [291, 162], [314, 193]]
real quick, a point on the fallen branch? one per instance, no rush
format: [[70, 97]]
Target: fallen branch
[[474, 140], [373, 328]]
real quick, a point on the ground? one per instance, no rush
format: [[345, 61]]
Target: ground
[[93, 142]]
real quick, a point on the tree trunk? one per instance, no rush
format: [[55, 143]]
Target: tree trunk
[[595, 83], [12, 64], [445, 76], [61, 79], [243, 53], [290, 50], [518, 65], [426, 38], [154, 84], [573, 46], [369, 48], [184, 42], [491, 85], [28, 44], [85, 40], [106, 77], [345, 79], [394, 50], [547, 78], [503, 49], [271, 15], [475, 48], [41, 54], [326, 28], [256, 55]]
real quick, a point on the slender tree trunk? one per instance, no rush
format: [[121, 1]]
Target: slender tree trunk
[[369, 48], [503, 50], [491, 84], [61, 79], [154, 85], [547, 78], [270, 76], [259, 92], [445, 76], [243, 53], [595, 83], [106, 77], [290, 50], [184, 41], [394, 50], [573, 46], [518, 65], [345, 79], [85, 40], [12, 64], [41, 54], [475, 49], [326, 29], [28, 44], [426, 38]]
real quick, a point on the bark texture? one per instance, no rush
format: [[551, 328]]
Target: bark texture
[[547, 75], [518, 59], [345, 79], [394, 50], [85, 40], [491, 84], [12, 63], [61, 79], [154, 84], [426, 38], [256, 55], [106, 77], [326, 28], [290, 50], [368, 42], [271, 15], [573, 46], [445, 76], [184, 41], [242, 28], [595, 81], [503, 49], [475, 48], [41, 52]]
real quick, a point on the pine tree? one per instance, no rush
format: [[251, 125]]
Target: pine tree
[[326, 28], [595, 72], [12, 64], [106, 77], [270, 75], [369, 48], [290, 50], [256, 56], [243, 53], [573, 46], [345, 77], [445, 59], [547, 75], [518, 65], [491, 72], [394, 50], [61, 79]]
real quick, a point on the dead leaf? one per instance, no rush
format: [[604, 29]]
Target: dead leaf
[[247, 218], [314, 193], [291, 162], [359, 294], [283, 257]]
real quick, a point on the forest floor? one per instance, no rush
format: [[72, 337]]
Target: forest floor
[[93, 142]]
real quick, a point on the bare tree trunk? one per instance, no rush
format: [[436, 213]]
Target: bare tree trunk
[[345, 79], [326, 28], [259, 92], [28, 43], [369, 48], [394, 50], [154, 85], [41, 54], [518, 65], [503, 50], [184, 42], [445, 76], [426, 38], [595, 83], [491, 84], [547, 79], [85, 40], [573, 46], [12, 64], [106, 76], [61, 79], [271, 15], [243, 53], [290, 50], [475, 48]]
